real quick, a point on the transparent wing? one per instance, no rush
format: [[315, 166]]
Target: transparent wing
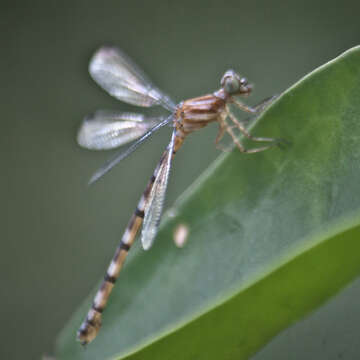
[[155, 201], [121, 78], [108, 129], [123, 154]]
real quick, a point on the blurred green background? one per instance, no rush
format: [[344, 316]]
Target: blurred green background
[[58, 234]]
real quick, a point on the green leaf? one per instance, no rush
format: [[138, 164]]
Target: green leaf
[[272, 236]]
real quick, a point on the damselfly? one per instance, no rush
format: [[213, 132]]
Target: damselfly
[[121, 78]]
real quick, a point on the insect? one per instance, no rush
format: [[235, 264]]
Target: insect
[[121, 78]]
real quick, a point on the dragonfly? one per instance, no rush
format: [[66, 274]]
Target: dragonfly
[[118, 75]]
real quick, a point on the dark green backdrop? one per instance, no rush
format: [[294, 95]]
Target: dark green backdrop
[[57, 235]]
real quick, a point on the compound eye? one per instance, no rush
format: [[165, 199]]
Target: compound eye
[[243, 81], [231, 85]]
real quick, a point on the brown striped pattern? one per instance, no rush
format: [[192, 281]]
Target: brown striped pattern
[[202, 109], [106, 67], [190, 115], [196, 113], [92, 323]]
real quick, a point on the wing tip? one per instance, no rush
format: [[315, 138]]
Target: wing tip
[[82, 134], [106, 49], [102, 54], [146, 247]]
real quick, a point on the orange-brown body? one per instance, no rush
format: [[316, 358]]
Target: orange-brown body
[[195, 113], [190, 115]]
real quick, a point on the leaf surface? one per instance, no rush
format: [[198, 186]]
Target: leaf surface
[[271, 237]]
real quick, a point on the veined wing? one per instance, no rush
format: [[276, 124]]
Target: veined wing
[[124, 154], [121, 78], [154, 202], [108, 129]]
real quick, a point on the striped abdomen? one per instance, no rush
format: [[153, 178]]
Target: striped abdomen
[[193, 114], [92, 323]]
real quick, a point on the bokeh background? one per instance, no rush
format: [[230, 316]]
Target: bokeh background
[[57, 234]]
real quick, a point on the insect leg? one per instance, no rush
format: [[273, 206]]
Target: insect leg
[[222, 128], [242, 148], [242, 128], [257, 108]]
